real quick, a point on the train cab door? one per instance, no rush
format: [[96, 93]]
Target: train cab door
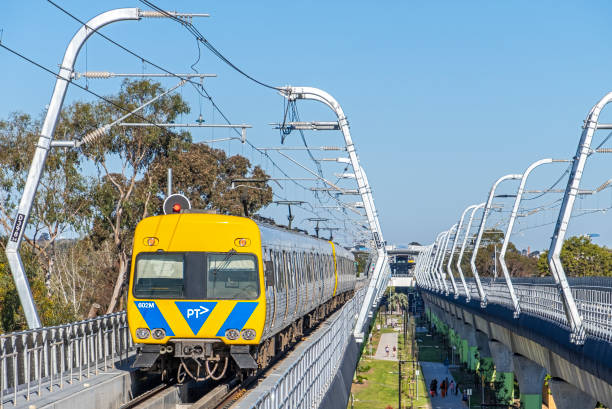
[[268, 263], [319, 272]]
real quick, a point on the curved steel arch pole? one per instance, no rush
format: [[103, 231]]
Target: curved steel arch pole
[[441, 265], [434, 267], [425, 272], [416, 270], [419, 258], [375, 286], [502, 253], [468, 297], [483, 222], [434, 259], [42, 150], [554, 253], [454, 247]]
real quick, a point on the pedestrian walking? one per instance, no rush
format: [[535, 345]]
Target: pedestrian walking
[[394, 350], [443, 388], [387, 350], [451, 387], [432, 388], [464, 398]]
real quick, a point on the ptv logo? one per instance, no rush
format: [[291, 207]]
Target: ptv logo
[[195, 313]]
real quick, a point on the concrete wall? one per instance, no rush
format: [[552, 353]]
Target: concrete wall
[[588, 368]]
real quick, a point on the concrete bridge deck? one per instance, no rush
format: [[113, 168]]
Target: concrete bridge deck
[[528, 347]]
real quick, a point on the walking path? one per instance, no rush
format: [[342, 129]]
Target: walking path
[[387, 338], [439, 371]]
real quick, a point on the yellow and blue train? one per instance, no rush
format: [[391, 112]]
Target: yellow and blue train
[[209, 292]]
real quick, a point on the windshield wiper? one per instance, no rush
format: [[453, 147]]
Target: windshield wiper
[[225, 262]]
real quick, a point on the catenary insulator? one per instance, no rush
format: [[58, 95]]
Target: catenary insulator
[[97, 74], [92, 136]]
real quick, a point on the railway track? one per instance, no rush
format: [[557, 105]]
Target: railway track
[[211, 394], [225, 395], [149, 395]]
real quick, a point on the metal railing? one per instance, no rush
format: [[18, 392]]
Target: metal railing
[[305, 382], [46, 359], [541, 297]]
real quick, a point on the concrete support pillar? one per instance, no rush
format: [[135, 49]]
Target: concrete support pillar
[[530, 377], [567, 396], [485, 365], [504, 371], [462, 345], [472, 358]]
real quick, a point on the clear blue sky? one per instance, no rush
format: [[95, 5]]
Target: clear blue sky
[[443, 97]]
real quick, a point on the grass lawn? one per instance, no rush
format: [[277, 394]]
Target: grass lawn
[[379, 389]]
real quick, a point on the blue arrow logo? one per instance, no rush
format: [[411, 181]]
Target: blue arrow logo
[[195, 313]]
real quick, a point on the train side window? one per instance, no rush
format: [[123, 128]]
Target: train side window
[[279, 271], [296, 269], [286, 270], [269, 270], [290, 272], [310, 268]]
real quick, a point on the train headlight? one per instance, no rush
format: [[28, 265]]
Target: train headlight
[[142, 333], [248, 334], [159, 333], [232, 334]]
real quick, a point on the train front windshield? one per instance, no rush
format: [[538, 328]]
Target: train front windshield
[[196, 276]]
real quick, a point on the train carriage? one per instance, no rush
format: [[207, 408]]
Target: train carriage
[[209, 292]]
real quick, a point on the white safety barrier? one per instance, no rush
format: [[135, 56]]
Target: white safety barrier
[[46, 359], [305, 382], [541, 297]]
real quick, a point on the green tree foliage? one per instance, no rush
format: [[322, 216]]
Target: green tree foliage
[[51, 309], [62, 203], [518, 264], [581, 257], [125, 158], [361, 260], [398, 301], [104, 209], [205, 175]]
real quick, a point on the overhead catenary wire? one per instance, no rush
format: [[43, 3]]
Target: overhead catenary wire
[[110, 102], [199, 88], [201, 39], [195, 84]]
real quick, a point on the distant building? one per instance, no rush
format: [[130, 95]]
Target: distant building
[[535, 254]]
